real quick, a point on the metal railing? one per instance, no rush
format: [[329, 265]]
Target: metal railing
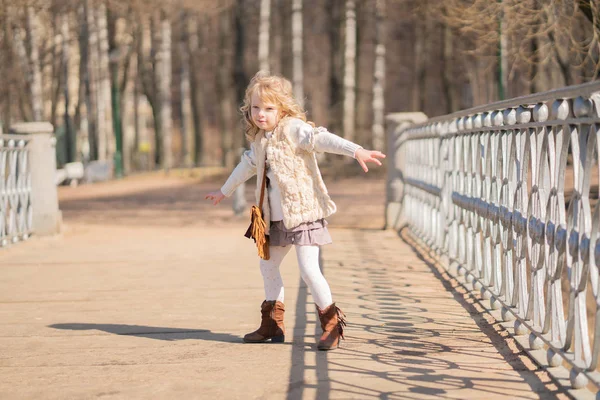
[[508, 194], [16, 214]]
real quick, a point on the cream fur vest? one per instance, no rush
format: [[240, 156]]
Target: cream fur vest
[[303, 192]]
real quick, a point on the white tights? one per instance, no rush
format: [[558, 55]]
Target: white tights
[[308, 261]]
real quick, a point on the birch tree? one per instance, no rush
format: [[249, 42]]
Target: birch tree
[[335, 11], [163, 78], [297, 54], [263, 34], [503, 61], [224, 88], [185, 92], [350, 71], [106, 139], [66, 59], [55, 61], [420, 70], [6, 68], [366, 33], [196, 48], [35, 79], [88, 40], [239, 197], [379, 78]]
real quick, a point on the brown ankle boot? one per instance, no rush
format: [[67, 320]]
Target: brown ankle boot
[[271, 325], [333, 323]]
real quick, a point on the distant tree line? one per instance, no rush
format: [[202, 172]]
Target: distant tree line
[[158, 84]]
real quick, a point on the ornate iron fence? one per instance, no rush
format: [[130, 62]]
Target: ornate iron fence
[[508, 194], [16, 215]]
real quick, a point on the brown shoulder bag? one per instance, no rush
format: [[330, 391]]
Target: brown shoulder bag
[[257, 227]]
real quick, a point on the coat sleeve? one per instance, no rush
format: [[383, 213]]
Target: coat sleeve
[[320, 140], [242, 172]]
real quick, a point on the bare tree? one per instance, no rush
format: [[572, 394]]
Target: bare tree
[[163, 79], [66, 57], [88, 42], [224, 88], [379, 75], [34, 68], [185, 92], [6, 68], [196, 48], [263, 36], [350, 71], [445, 53], [297, 54], [105, 137]]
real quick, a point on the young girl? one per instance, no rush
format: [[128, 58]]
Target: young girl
[[296, 200]]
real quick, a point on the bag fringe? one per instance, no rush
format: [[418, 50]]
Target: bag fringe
[[258, 228]]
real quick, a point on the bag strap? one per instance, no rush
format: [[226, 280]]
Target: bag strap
[[262, 186]]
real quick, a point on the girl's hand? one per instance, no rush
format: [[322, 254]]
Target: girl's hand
[[216, 197], [364, 156]]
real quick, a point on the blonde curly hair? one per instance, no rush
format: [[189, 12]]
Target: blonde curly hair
[[271, 89]]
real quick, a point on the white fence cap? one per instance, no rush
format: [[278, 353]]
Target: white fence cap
[[26, 128]]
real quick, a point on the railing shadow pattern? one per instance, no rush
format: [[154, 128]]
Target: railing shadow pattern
[[412, 354]]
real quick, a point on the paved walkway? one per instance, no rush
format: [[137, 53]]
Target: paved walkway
[[148, 291]]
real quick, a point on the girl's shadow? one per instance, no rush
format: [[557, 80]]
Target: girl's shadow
[[152, 332]]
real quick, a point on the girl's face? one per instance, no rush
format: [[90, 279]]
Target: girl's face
[[264, 115]]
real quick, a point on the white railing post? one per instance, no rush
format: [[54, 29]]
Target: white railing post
[[47, 217], [396, 124]]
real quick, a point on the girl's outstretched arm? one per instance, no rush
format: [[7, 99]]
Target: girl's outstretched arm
[[363, 156], [321, 140], [244, 171]]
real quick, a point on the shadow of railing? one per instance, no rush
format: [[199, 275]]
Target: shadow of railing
[[409, 355]]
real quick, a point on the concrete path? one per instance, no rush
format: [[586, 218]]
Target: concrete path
[[148, 291]]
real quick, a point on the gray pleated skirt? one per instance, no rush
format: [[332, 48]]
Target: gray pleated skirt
[[306, 234]]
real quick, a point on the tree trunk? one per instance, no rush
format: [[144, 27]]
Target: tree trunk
[[224, 89], [240, 78], [194, 41], [35, 69], [137, 93], [148, 94], [379, 75], [66, 57], [285, 36], [78, 129], [57, 73], [350, 71], [562, 64], [334, 8], [533, 69], [25, 100], [88, 45], [129, 116], [298, 65], [240, 81], [164, 84], [263, 34], [503, 56], [106, 140], [448, 76], [186, 102], [534, 48], [7, 68], [366, 34], [419, 66], [117, 89]]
